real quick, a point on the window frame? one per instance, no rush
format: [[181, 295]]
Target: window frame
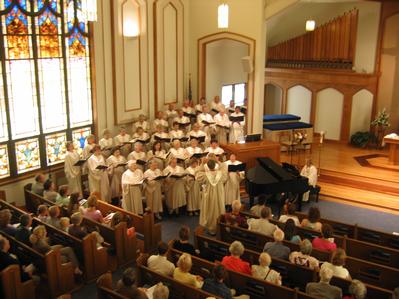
[[234, 87]]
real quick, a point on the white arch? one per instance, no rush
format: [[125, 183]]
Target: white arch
[[273, 99], [362, 105], [299, 102]]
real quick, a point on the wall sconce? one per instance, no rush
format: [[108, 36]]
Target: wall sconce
[[131, 20], [223, 16], [310, 25]]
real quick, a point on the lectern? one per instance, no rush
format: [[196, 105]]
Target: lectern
[[393, 150]]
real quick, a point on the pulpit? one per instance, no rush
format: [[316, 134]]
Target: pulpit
[[393, 150]]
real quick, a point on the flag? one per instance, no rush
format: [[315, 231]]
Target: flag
[[190, 92]]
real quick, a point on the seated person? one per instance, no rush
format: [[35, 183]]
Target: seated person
[[23, 230], [159, 263], [313, 220], [234, 262], [5, 226], [54, 213], [73, 205], [290, 232], [117, 218], [309, 171], [91, 210], [76, 229], [127, 288], [49, 191], [39, 242], [326, 241], [303, 258], [37, 186], [290, 214], [277, 249], [256, 209], [262, 271], [262, 225], [357, 290], [161, 291], [65, 223], [182, 272], [183, 244], [323, 289], [337, 264], [235, 218], [215, 285], [63, 199], [42, 213]]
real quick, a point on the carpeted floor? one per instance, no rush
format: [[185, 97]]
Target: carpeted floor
[[336, 211]]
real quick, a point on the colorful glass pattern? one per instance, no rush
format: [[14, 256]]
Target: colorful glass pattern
[[56, 148], [79, 138], [4, 166], [27, 154], [3, 118], [49, 43]]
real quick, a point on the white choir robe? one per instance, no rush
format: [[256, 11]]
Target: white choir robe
[[143, 137], [163, 135], [86, 153], [213, 196], [119, 139], [72, 172], [221, 133], [138, 156], [208, 129], [178, 134], [233, 183], [106, 144], [132, 182], [198, 108], [138, 124], [180, 153], [158, 156], [174, 188], [216, 151], [153, 190], [116, 174], [236, 129], [193, 189], [98, 179], [199, 133], [189, 110], [217, 106], [311, 174], [161, 122], [170, 115], [184, 120]]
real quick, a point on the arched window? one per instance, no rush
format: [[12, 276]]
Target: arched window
[[45, 84]]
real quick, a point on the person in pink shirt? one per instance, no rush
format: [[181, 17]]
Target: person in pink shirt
[[234, 262], [326, 241], [91, 210]]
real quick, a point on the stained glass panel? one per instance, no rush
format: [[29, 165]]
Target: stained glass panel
[[27, 154], [4, 166], [79, 138], [56, 148], [22, 94], [49, 39], [3, 119]]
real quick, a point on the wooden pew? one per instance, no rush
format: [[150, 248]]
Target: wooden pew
[[33, 201], [12, 286], [144, 225], [58, 277], [94, 260], [242, 283], [105, 289], [373, 292], [177, 290]]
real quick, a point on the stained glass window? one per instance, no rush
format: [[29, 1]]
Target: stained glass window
[[4, 166], [56, 148], [79, 138], [45, 82], [27, 155]]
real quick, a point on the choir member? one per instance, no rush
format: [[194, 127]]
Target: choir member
[[309, 171], [197, 132], [116, 168], [233, 181], [174, 187], [160, 134], [89, 146], [222, 126], [206, 117], [106, 143], [138, 154], [232, 108], [182, 120], [72, 172], [193, 148], [198, 107], [188, 110], [152, 189], [171, 113], [142, 137], [213, 195], [132, 181], [160, 120], [237, 127], [122, 139], [216, 106], [176, 132], [214, 148], [98, 178], [141, 123], [157, 154], [177, 151], [193, 188]]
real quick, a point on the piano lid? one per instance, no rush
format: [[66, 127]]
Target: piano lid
[[274, 169]]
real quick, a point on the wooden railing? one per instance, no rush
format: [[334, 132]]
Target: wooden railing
[[331, 45]]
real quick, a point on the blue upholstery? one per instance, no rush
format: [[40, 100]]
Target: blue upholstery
[[287, 126], [280, 117]]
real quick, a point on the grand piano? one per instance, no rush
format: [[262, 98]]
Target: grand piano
[[271, 179]]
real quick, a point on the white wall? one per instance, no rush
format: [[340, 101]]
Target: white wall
[[223, 65], [329, 113], [299, 102], [273, 99], [362, 105]]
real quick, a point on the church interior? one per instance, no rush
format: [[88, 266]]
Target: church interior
[[198, 149]]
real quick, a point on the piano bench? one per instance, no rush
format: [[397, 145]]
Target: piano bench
[[315, 191]]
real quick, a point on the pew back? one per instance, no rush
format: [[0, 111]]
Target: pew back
[[12, 286]]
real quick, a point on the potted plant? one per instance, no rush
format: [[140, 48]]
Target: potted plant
[[381, 123]]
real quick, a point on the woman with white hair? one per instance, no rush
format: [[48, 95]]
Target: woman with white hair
[[177, 151], [152, 189], [237, 125], [72, 172], [234, 261], [116, 168], [121, 139], [141, 123], [138, 154], [174, 186], [222, 126], [182, 272], [234, 180], [161, 291], [263, 271], [132, 181], [98, 174], [106, 143], [196, 132], [302, 257], [357, 290]]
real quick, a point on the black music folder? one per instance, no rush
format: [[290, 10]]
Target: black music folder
[[141, 162], [243, 109], [199, 155], [80, 162], [215, 110], [207, 123], [236, 119], [200, 139], [102, 167], [121, 165], [160, 177], [189, 115], [238, 167]]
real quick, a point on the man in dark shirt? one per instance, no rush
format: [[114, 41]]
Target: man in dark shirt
[[126, 286], [5, 226], [76, 229], [6, 259], [215, 285], [23, 230], [183, 244], [277, 249]]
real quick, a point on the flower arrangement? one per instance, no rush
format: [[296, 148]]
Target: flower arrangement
[[382, 119], [300, 136]]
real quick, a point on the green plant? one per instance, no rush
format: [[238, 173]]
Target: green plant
[[382, 119], [361, 139]]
